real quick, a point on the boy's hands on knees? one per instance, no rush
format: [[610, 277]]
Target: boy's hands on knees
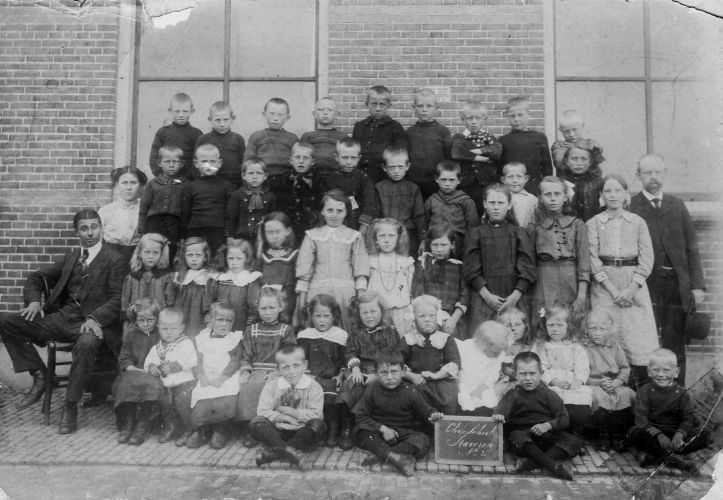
[[356, 376], [540, 429], [664, 441], [388, 434], [435, 416], [415, 378], [283, 418], [244, 377], [677, 441], [498, 417], [153, 370]]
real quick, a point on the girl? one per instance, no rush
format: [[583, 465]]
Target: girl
[[499, 262], [582, 169], [520, 340], [373, 334], [609, 371], [235, 285], [261, 343], [193, 272], [563, 257], [214, 398], [137, 391], [149, 276], [565, 367], [391, 269], [480, 379], [440, 276], [332, 259], [276, 259], [324, 344], [622, 257], [120, 218]]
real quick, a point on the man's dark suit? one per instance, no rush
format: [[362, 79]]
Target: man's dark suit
[[99, 298], [674, 239]]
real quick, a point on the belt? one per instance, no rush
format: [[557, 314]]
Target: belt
[[546, 257], [619, 262]]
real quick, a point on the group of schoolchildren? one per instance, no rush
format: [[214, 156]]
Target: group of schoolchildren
[[422, 287]]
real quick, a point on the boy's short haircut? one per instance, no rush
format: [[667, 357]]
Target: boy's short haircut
[[514, 164], [180, 98], [448, 166], [569, 117], [493, 331], [424, 301], [253, 161], [304, 145], [599, 312], [662, 357], [278, 100], [425, 92], [518, 101], [170, 150], [389, 357], [290, 350], [171, 314], [206, 148], [220, 305], [472, 106], [348, 142], [527, 357], [219, 107], [394, 150], [380, 90], [327, 98], [87, 214]]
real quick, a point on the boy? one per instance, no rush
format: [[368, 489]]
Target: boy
[[432, 356], [477, 152], [229, 143], [400, 199], [354, 183], [179, 133], [676, 281], [324, 138], [664, 418], [525, 145], [161, 202], [388, 416], [570, 126], [377, 132], [429, 143], [173, 359], [299, 192], [273, 144], [289, 418], [524, 204], [250, 203], [451, 206], [535, 419], [205, 198]]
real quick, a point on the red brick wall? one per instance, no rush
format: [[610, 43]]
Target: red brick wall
[[57, 117]]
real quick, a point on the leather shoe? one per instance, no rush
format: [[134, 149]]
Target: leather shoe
[[266, 455], [35, 392], [170, 429], [294, 456], [69, 419], [249, 441], [198, 438], [220, 437], [563, 472]]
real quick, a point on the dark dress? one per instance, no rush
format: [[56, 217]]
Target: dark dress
[[280, 272], [586, 201], [191, 289], [325, 355], [239, 292], [134, 386]]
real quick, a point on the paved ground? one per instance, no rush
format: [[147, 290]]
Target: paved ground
[[35, 461]]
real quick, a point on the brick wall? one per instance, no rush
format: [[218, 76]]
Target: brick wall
[[57, 116], [488, 50]]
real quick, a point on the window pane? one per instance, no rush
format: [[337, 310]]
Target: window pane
[[153, 100], [193, 47], [685, 134], [248, 99], [273, 38], [685, 43], [599, 38], [614, 116]]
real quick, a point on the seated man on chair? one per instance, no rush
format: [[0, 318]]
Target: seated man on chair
[[84, 300]]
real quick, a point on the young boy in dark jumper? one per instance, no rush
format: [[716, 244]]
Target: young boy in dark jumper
[[389, 415], [324, 138], [273, 144], [178, 133], [229, 143], [250, 203], [535, 420]]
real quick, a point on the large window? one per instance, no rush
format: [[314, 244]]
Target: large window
[[241, 51], [646, 75]]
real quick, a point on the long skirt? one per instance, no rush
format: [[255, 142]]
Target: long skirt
[[137, 387]]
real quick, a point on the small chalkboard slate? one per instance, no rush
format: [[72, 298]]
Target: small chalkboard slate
[[468, 441]]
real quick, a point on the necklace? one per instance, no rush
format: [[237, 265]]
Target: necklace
[[383, 271]]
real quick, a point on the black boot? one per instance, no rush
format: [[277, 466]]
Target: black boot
[[345, 440], [69, 418], [220, 436], [126, 418], [265, 455], [198, 438], [332, 434], [141, 428], [293, 455], [35, 392], [171, 426], [403, 463]]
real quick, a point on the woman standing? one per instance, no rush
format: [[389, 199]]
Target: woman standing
[[120, 218]]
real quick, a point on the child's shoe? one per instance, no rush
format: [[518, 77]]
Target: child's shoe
[[183, 438], [601, 442], [220, 436], [645, 459], [403, 463], [523, 465], [345, 442], [170, 429], [249, 441], [198, 438], [293, 455], [265, 455], [127, 418], [332, 435], [141, 428], [563, 471]]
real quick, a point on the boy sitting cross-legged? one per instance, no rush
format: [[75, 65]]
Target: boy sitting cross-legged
[[389, 415]]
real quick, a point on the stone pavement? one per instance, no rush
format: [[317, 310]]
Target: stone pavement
[[25, 441]]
